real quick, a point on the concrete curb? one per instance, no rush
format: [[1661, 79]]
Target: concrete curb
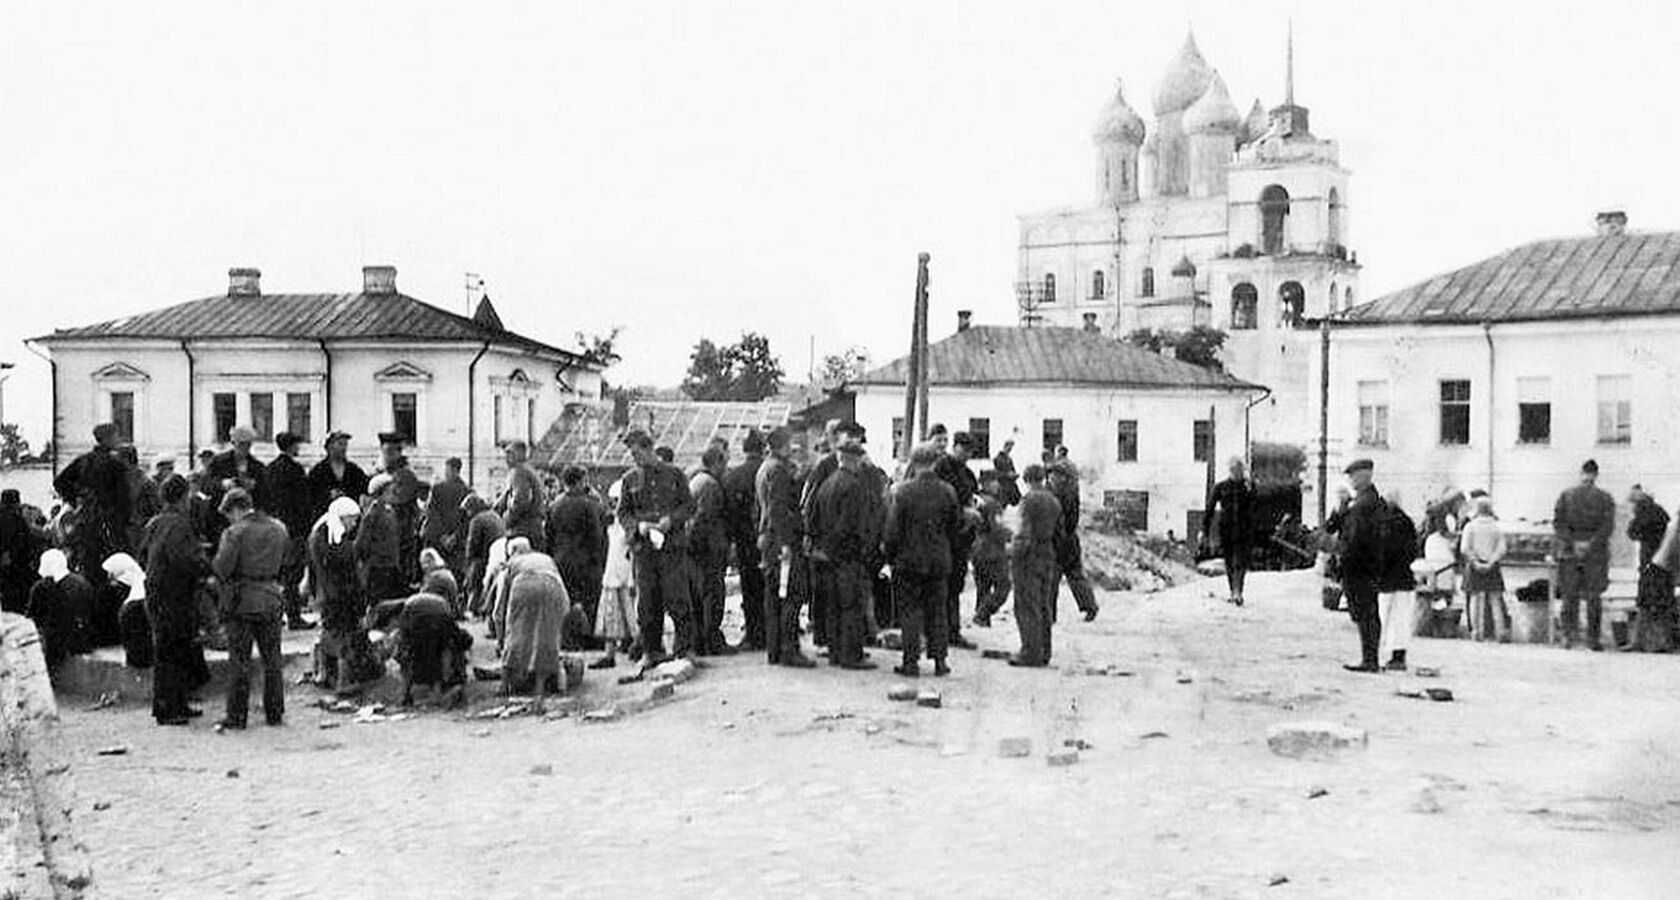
[[40, 845]]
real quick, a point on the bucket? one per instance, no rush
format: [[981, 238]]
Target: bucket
[[1530, 622]]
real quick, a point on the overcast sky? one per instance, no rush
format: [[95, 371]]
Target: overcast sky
[[694, 170]]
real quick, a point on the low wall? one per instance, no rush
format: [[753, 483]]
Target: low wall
[[39, 853]]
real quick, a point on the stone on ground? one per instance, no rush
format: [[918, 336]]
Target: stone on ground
[[929, 698], [1066, 756], [1297, 740], [1014, 747], [902, 692]]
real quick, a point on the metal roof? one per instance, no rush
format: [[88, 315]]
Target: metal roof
[[997, 354], [586, 435], [362, 316], [1622, 275]]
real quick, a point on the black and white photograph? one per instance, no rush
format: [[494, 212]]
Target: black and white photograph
[[771, 448]]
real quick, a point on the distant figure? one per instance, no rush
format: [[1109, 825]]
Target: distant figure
[[529, 617], [575, 529], [708, 553], [522, 499], [1033, 561], [923, 521], [379, 544], [247, 564], [992, 582], [406, 493], [484, 528], [740, 505], [847, 515], [61, 606], [953, 470], [1070, 555], [1582, 520], [441, 528], [615, 612], [654, 510], [1231, 507], [175, 566], [1482, 545], [20, 553], [778, 547], [237, 468], [1649, 527], [343, 655], [1396, 582], [1009, 488], [1360, 522], [96, 485], [293, 503], [336, 476]]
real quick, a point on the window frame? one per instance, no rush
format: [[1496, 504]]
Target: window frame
[[221, 432], [1044, 434], [1371, 399], [411, 436], [263, 429], [1202, 440], [1456, 407], [1245, 307], [1621, 425], [1126, 438], [980, 432], [305, 429]]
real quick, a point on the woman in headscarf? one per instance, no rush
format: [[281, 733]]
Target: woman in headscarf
[[427, 643], [343, 655], [61, 605], [132, 625], [435, 578], [484, 528], [175, 565], [530, 613]]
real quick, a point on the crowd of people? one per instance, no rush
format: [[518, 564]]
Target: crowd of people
[[388, 566], [1384, 561]]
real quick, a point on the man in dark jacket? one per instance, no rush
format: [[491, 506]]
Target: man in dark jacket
[[1362, 561], [575, 531], [740, 510], [248, 561], [778, 547], [1231, 506], [847, 516], [96, 484], [1009, 488], [293, 503], [1397, 585], [708, 552], [1033, 561], [654, 509], [1583, 520], [924, 520], [336, 476], [379, 544], [1655, 624], [442, 527], [175, 565], [20, 553], [237, 468], [1070, 555], [406, 494], [953, 470]]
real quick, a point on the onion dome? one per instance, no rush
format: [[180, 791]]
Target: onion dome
[[1119, 122], [1184, 268], [1255, 125], [1185, 82], [1214, 112]]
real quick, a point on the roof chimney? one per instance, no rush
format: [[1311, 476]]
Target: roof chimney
[[244, 283], [964, 317], [1612, 223], [379, 279]]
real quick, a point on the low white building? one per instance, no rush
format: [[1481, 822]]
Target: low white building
[[1142, 427], [1508, 373], [178, 379]]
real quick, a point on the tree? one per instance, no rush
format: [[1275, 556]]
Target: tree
[[839, 368], [745, 370], [1199, 346], [602, 349], [14, 448]]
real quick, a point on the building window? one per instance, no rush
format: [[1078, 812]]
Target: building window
[[1126, 449], [1615, 409], [1201, 440], [1335, 299], [1274, 209], [1097, 286], [898, 437], [262, 416], [122, 415], [1147, 287], [297, 416], [1052, 435], [1245, 307], [405, 415], [1534, 410], [1049, 287], [981, 431], [531, 422], [1455, 412], [1347, 298], [224, 408], [496, 419], [1292, 304], [1373, 413]]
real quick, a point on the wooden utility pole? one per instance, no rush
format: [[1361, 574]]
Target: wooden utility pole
[[1323, 418], [922, 280], [912, 378]]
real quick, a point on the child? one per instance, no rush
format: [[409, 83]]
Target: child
[[615, 615]]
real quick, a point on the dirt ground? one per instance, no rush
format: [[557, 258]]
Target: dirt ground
[[1553, 774]]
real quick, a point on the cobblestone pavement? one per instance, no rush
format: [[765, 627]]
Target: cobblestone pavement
[[1553, 774]]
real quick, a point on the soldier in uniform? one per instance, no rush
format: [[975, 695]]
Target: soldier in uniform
[[778, 545], [1033, 560], [740, 504], [708, 552], [654, 510], [923, 522], [846, 517], [523, 499], [248, 562]]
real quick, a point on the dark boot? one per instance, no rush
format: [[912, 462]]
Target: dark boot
[[1397, 661]]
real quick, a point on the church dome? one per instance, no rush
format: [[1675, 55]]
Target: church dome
[[1214, 112], [1184, 268], [1119, 122], [1185, 82]]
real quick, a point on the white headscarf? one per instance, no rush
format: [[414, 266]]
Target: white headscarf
[[378, 483], [431, 560], [124, 570], [54, 564], [337, 511], [494, 561]]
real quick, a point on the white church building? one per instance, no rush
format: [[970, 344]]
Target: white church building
[[176, 380], [1204, 216]]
